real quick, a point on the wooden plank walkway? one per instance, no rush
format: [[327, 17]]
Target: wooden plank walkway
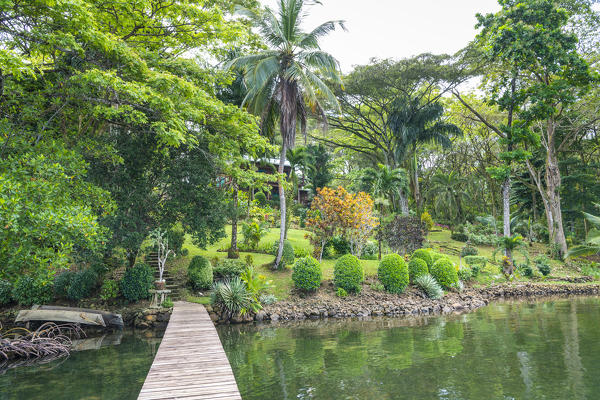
[[190, 362]]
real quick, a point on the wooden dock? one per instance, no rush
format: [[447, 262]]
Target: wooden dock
[[190, 362]]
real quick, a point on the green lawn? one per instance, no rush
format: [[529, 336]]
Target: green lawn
[[439, 240], [281, 279]]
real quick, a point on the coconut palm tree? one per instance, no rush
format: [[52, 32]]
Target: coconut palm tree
[[283, 80]]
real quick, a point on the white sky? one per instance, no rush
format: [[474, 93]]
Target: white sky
[[395, 28]]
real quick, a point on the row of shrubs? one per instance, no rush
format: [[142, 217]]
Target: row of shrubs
[[78, 285], [394, 273]]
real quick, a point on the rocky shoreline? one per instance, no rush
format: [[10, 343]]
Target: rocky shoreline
[[325, 304]]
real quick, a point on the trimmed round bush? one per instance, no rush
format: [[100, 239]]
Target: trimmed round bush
[[424, 255], [200, 273], [348, 273], [62, 283], [393, 273], [5, 292], [307, 274], [228, 269], [137, 282], [436, 256], [28, 291], [83, 284], [444, 272], [417, 267]]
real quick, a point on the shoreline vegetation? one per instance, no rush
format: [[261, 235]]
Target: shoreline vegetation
[[371, 303]]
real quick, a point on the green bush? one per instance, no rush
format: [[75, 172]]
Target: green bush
[[200, 273], [109, 290], [370, 251], [83, 284], [261, 199], [340, 245], [228, 269], [543, 265], [340, 292], [424, 255], [288, 256], [444, 272], [437, 256], [62, 283], [469, 250], [307, 274], [5, 292], [465, 274], [176, 237], [28, 291], [348, 273], [475, 270], [137, 282], [393, 273], [416, 268], [526, 270], [476, 260]]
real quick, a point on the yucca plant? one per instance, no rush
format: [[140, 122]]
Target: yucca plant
[[231, 297], [429, 285]]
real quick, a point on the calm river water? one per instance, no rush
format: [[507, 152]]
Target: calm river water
[[513, 350]]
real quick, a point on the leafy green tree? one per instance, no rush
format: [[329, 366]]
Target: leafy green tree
[[107, 80], [49, 213], [318, 166], [282, 80], [547, 75]]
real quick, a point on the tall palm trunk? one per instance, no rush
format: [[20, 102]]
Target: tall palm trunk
[[287, 125], [282, 206], [233, 250]]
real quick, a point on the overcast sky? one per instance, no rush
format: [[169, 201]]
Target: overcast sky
[[395, 28]]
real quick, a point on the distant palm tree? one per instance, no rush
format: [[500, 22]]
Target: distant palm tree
[[282, 80], [385, 185], [448, 195], [384, 182], [414, 123]]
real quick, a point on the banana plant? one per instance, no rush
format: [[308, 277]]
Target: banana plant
[[591, 246]]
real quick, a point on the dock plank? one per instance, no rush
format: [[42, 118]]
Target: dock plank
[[190, 362]]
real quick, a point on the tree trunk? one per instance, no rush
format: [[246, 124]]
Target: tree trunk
[[418, 199], [403, 203], [288, 108], [506, 213], [233, 250], [282, 208], [553, 184]]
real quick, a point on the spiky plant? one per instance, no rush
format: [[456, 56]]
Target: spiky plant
[[232, 297], [429, 285]]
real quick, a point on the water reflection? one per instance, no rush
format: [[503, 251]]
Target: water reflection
[[511, 350], [112, 366]]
